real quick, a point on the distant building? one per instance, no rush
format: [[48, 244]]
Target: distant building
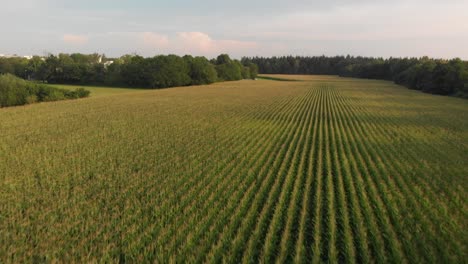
[[15, 56], [107, 63]]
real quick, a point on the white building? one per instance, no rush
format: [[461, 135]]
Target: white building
[[15, 56], [107, 63]]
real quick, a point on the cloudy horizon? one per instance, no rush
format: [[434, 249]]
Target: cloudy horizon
[[244, 28]]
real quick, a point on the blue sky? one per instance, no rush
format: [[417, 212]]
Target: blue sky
[[240, 28]]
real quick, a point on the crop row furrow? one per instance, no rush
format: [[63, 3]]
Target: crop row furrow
[[346, 247], [384, 211], [208, 189], [250, 169], [415, 200], [297, 215], [302, 243], [258, 230], [314, 235], [289, 194], [186, 186]]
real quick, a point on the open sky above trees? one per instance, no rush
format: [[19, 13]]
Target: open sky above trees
[[240, 28]]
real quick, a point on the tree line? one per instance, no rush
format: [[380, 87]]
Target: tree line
[[437, 76], [129, 70]]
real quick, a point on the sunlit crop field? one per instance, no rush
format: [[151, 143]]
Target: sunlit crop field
[[327, 170]]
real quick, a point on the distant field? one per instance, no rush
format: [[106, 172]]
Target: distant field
[[98, 91], [322, 170], [303, 77]]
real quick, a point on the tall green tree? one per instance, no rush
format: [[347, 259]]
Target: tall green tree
[[201, 70], [227, 69], [168, 71]]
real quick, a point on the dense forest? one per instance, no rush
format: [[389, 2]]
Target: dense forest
[[129, 70], [16, 91], [437, 76]]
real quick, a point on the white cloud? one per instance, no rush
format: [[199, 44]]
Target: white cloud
[[359, 27], [154, 40], [201, 43], [194, 43], [75, 39]]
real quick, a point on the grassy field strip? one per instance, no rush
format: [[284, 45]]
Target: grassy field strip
[[298, 77], [98, 91]]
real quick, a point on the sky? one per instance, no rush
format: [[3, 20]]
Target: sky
[[379, 28]]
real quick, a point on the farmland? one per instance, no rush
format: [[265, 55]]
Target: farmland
[[325, 169]]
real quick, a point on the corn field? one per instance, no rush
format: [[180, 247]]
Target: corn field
[[319, 170]]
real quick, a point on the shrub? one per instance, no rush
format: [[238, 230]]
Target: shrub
[[82, 93], [31, 99], [15, 91]]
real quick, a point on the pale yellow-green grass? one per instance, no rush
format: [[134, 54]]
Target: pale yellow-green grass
[[322, 170], [98, 91], [299, 77]]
